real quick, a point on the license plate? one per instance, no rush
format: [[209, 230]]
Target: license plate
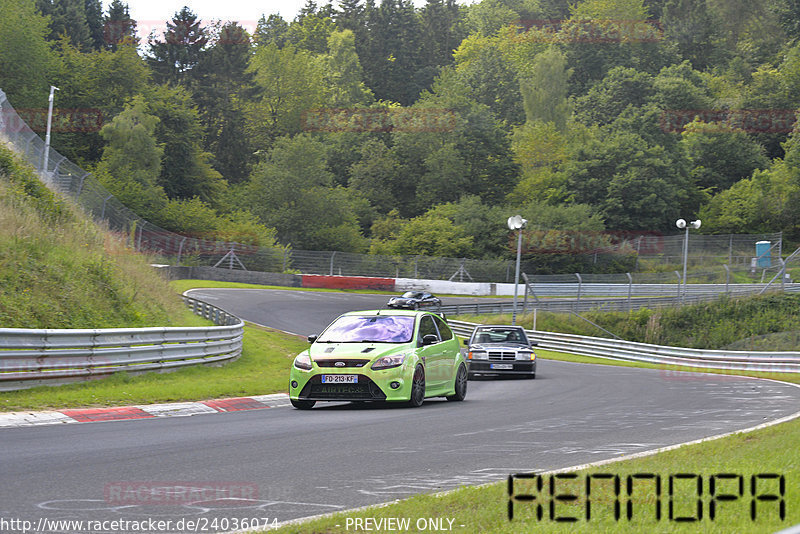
[[502, 366], [339, 379]]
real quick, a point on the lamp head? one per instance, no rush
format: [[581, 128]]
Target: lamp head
[[680, 223], [516, 222]]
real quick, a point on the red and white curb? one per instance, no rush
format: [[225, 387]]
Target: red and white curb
[[146, 411]]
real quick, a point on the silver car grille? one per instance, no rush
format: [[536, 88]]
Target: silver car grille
[[502, 355]]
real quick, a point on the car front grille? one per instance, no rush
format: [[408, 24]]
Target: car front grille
[[365, 389], [502, 355], [347, 363]]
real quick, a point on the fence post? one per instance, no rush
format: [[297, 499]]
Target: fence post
[[630, 289], [332, 256], [727, 277], [580, 286], [680, 281]]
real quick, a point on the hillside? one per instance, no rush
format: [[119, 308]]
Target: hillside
[[59, 270]]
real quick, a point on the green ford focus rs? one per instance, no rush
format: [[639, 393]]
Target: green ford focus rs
[[380, 355]]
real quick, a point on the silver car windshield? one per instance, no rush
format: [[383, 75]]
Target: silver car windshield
[[371, 328]]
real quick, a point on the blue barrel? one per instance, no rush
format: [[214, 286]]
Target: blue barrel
[[763, 260]]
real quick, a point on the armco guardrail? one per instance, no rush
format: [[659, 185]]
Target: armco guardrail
[[31, 358], [770, 362], [596, 304]]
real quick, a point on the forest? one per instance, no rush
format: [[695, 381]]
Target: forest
[[381, 127]]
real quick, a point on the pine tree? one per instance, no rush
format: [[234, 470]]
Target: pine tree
[[223, 84], [271, 30], [173, 58], [118, 26], [94, 19]]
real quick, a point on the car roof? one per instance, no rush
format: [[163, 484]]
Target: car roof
[[384, 311]]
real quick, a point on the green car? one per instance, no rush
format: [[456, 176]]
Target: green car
[[380, 355]]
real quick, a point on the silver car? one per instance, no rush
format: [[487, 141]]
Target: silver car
[[500, 350]]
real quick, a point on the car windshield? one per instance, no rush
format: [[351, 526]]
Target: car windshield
[[412, 295], [371, 328], [500, 335]]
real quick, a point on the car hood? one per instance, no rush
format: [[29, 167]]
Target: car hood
[[499, 346], [360, 351]]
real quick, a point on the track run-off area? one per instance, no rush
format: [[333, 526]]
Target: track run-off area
[[282, 464]]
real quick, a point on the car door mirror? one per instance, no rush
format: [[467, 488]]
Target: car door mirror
[[313, 338], [429, 339], [466, 342], [534, 343]]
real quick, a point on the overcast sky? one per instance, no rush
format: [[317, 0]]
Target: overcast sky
[[153, 14]]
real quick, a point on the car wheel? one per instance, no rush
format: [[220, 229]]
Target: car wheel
[[531, 376], [303, 404], [461, 385], [417, 387], [415, 306]]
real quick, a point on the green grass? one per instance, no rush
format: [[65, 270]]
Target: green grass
[[59, 270], [485, 509]]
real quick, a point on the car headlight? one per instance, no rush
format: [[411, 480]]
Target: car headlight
[[388, 362], [527, 356], [478, 355], [303, 361]]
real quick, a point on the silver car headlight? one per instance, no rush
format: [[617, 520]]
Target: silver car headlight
[[526, 356], [478, 355]]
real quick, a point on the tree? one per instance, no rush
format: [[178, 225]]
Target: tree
[[100, 82], [429, 235], [223, 85], [185, 170], [344, 74], [632, 185], [173, 58], [379, 176], [271, 30], [390, 53], [118, 26], [720, 155], [290, 85], [131, 161], [311, 31], [544, 91], [620, 88], [68, 17], [26, 59], [94, 19], [689, 24], [483, 68], [292, 191]]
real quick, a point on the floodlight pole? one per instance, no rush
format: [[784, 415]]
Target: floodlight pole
[[516, 223], [516, 276], [680, 223], [50, 99]]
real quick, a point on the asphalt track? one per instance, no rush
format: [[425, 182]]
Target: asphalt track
[[337, 456]]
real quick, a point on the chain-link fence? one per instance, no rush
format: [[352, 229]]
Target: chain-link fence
[[707, 254]]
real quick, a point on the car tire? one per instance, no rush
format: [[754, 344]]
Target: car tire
[[460, 385], [417, 387], [415, 306], [303, 404], [531, 376]]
